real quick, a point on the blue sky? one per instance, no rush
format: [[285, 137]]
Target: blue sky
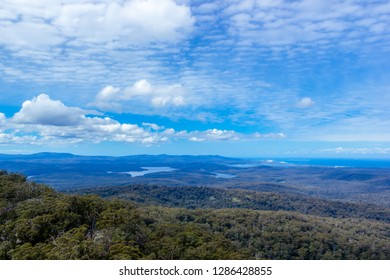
[[238, 78]]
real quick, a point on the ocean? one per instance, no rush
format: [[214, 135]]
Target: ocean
[[361, 163]]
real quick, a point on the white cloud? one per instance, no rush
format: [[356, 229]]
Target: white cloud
[[305, 102], [159, 96], [108, 92], [140, 87], [268, 3], [279, 135], [207, 8], [211, 135], [54, 122], [43, 110], [108, 98], [3, 120], [29, 35], [46, 121], [166, 98], [129, 22], [111, 98], [153, 126], [35, 24], [92, 44], [11, 138], [284, 22]]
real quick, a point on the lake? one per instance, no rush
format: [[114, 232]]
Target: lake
[[224, 176], [149, 170]]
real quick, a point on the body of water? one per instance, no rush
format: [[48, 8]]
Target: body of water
[[340, 163], [245, 165], [149, 170], [336, 163], [224, 176]]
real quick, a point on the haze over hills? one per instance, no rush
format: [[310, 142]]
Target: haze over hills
[[67, 171]]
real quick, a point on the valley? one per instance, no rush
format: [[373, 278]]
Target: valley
[[350, 184], [187, 207]]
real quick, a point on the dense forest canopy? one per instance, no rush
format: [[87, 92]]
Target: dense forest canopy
[[37, 222], [218, 198]]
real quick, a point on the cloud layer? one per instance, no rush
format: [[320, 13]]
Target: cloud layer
[[46, 121], [285, 22], [36, 24], [313, 70]]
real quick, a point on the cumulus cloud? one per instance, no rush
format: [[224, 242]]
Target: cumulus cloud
[[111, 98], [305, 102], [211, 135], [108, 98], [160, 95], [42, 120], [141, 87], [108, 92], [53, 121], [45, 111]]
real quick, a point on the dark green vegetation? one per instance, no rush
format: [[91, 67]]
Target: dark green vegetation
[[217, 198], [38, 223]]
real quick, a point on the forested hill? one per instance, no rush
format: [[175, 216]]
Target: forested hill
[[218, 198], [38, 223]]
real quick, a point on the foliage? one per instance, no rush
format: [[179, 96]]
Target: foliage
[[218, 198], [38, 223]]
